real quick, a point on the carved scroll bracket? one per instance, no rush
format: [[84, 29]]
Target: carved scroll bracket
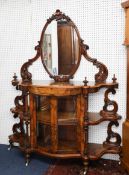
[[25, 74], [18, 128], [113, 113], [108, 103], [20, 107], [102, 75], [112, 135]]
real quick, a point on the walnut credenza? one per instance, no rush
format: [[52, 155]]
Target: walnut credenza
[[54, 120], [54, 115]]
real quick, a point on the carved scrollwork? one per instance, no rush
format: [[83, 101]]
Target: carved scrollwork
[[108, 103], [19, 104], [19, 110], [25, 74], [112, 134], [19, 101], [58, 15], [18, 128], [102, 75]]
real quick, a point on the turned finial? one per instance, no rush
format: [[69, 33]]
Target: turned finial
[[85, 81], [15, 80], [114, 78]]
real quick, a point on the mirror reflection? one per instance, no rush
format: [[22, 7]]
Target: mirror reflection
[[60, 48]]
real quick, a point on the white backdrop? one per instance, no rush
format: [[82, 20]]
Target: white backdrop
[[101, 25]]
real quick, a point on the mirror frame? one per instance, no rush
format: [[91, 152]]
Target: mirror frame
[[100, 76], [58, 15]]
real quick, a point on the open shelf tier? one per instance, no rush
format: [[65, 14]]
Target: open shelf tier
[[95, 151], [96, 118]]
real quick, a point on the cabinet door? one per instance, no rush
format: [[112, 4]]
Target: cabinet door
[[55, 124], [46, 123]]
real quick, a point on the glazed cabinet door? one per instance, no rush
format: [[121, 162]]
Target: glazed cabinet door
[[44, 123], [55, 124]]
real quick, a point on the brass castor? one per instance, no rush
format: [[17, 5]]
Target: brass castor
[[85, 168]]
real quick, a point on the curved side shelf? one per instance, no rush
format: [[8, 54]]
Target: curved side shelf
[[95, 151], [96, 118]]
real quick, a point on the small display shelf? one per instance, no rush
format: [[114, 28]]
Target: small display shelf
[[96, 118], [95, 150]]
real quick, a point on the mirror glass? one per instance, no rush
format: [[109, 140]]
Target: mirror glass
[[60, 48]]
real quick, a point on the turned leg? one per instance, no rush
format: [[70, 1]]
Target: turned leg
[[10, 145], [27, 159], [120, 157]]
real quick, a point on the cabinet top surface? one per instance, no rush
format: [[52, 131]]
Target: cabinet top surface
[[66, 85]]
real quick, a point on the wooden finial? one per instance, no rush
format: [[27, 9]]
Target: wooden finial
[[114, 78], [85, 82], [15, 80]]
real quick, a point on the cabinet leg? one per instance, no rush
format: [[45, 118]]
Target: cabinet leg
[[10, 145], [27, 159], [120, 157], [85, 168]]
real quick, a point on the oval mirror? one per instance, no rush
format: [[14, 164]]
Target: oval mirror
[[60, 47]]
